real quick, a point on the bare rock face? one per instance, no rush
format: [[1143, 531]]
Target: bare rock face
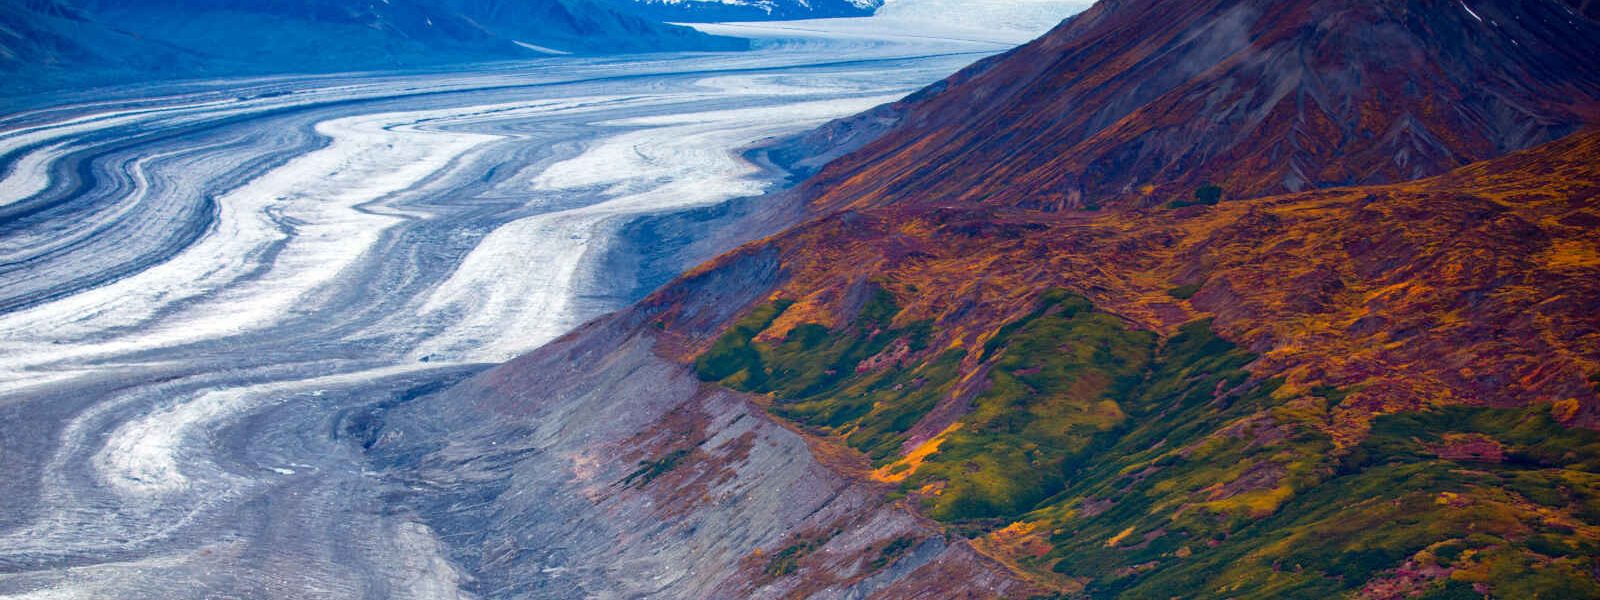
[[1260, 97], [595, 467]]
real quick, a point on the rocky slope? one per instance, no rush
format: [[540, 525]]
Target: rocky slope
[[1259, 97], [947, 384], [596, 467]]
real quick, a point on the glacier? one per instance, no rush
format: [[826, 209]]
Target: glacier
[[204, 285]]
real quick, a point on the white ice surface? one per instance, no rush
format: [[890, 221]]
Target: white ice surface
[[143, 457], [146, 468], [312, 203], [1004, 22], [515, 288], [1011, 19], [30, 174]]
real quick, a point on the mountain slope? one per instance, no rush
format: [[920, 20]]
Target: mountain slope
[[1260, 97], [42, 36], [1369, 390], [596, 467], [1381, 390], [1311, 350], [85, 42]]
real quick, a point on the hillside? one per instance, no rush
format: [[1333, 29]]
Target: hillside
[[1136, 401], [1258, 97], [51, 43], [1252, 300]]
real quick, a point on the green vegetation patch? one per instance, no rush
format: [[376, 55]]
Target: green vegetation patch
[[1163, 468], [649, 470], [892, 551], [1391, 503], [823, 378], [1194, 462], [1208, 194], [1053, 390], [1186, 291], [733, 359]]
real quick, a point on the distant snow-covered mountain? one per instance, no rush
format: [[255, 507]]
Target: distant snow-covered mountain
[[1026, 18], [705, 11], [45, 42]]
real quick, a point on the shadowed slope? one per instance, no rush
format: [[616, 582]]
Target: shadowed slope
[[1146, 99], [84, 43]]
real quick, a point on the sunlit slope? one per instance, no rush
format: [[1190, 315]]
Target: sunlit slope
[[1357, 388]]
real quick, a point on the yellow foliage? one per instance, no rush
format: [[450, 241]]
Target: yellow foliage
[[1564, 410], [1117, 539], [1256, 503], [1022, 542], [905, 467], [1572, 254]]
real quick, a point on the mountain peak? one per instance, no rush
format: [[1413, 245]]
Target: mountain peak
[[1258, 96]]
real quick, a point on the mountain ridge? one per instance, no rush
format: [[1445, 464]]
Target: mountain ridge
[[56, 43], [1121, 104]]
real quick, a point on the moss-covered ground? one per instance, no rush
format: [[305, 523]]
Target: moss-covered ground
[[1161, 468]]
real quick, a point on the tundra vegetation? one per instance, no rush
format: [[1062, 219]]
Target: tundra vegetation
[[1123, 464]]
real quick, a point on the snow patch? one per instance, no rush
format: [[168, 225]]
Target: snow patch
[[542, 49]]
